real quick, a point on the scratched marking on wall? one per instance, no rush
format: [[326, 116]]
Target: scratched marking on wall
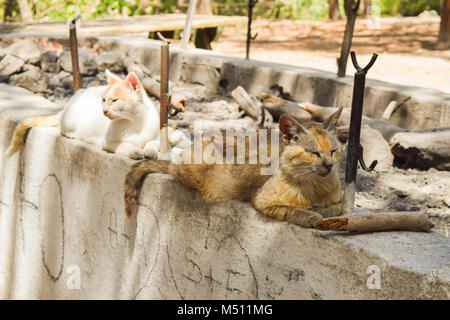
[[52, 226], [132, 247], [214, 264]]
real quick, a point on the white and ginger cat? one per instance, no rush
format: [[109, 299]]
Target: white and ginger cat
[[118, 117]]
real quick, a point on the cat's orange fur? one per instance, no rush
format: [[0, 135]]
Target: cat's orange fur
[[304, 189]]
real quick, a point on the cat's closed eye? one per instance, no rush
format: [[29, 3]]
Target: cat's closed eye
[[314, 153]]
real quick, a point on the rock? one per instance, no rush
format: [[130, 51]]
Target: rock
[[32, 79], [428, 14], [61, 79], [27, 50], [86, 60], [10, 65], [387, 129], [49, 61], [111, 60], [375, 148], [422, 149]]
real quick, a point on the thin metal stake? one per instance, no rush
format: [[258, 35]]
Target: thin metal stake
[[164, 96], [354, 148], [251, 4], [77, 81]]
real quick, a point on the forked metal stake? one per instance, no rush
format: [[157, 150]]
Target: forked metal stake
[[77, 81], [164, 96], [251, 4], [354, 148]]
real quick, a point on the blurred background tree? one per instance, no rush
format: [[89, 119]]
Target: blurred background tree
[[57, 10]]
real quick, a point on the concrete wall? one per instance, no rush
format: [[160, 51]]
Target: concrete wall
[[61, 211]]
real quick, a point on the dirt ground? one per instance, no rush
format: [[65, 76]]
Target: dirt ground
[[405, 47]]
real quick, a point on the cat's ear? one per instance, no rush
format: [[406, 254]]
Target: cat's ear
[[290, 127], [112, 78], [133, 80], [331, 123]]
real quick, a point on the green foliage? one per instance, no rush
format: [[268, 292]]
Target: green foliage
[[60, 10], [406, 7], [287, 9]]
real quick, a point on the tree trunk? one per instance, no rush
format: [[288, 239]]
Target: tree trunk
[[365, 6], [351, 10], [444, 30], [203, 7], [25, 10], [8, 9], [333, 9]]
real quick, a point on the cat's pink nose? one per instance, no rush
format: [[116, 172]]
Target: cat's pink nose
[[329, 167], [105, 112]]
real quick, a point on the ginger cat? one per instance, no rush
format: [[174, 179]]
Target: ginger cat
[[119, 117], [304, 189]]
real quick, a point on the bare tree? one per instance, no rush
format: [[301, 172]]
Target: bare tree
[[8, 9], [25, 10], [333, 10], [364, 7], [203, 7], [444, 30], [351, 10]]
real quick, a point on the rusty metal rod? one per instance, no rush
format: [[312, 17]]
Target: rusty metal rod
[[164, 96], [354, 148], [77, 81], [251, 4]]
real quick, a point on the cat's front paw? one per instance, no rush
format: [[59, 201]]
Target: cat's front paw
[[311, 221], [307, 220], [333, 210], [137, 154]]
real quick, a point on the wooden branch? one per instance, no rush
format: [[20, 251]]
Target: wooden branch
[[320, 113], [392, 106], [278, 106], [377, 222], [251, 108], [245, 102]]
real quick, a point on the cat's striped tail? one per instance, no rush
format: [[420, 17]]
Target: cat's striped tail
[[134, 178], [18, 139]]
